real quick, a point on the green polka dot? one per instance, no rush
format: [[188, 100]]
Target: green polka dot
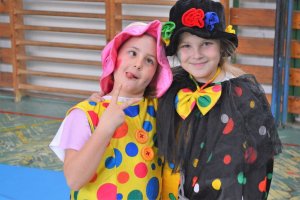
[[172, 196], [202, 145], [204, 101], [241, 178], [209, 158], [75, 195], [270, 175], [135, 194]]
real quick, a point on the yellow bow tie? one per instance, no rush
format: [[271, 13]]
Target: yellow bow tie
[[205, 98]]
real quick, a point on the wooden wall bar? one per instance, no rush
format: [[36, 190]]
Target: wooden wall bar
[[114, 18], [6, 78]]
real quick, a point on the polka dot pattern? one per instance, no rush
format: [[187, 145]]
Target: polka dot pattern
[[131, 149], [152, 188], [134, 195], [141, 170], [216, 184], [204, 98], [107, 191], [123, 173], [132, 111], [227, 144]]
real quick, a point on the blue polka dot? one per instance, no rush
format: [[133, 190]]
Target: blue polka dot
[[153, 166], [132, 111], [110, 162], [131, 149], [176, 101], [118, 157], [147, 126], [151, 111], [159, 161], [92, 103], [119, 196], [171, 165], [152, 188]]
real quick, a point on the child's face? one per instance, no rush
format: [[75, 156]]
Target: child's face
[[199, 56], [136, 65]]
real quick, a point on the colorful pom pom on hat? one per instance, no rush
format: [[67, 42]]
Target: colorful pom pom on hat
[[204, 18]]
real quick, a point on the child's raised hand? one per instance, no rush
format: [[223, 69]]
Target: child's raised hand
[[97, 97], [114, 115]]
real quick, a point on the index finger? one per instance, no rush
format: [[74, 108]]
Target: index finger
[[114, 98]]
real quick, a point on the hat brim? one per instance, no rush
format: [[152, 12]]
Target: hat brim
[[203, 33]]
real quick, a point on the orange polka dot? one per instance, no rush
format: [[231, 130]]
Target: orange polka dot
[[227, 159], [263, 185], [123, 177]]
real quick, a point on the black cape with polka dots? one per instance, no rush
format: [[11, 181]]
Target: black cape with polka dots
[[229, 152]]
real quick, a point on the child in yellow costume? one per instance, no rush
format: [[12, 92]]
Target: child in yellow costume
[[109, 148]]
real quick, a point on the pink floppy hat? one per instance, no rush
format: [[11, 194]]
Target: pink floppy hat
[[164, 75]]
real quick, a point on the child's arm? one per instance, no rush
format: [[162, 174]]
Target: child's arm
[[80, 166]]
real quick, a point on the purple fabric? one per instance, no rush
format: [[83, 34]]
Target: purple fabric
[[75, 134]]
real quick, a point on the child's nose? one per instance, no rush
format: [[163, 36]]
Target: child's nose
[[139, 64], [198, 53]]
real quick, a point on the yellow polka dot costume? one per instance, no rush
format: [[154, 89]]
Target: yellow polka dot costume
[[130, 168]]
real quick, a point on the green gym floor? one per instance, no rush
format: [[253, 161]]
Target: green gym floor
[[27, 127]]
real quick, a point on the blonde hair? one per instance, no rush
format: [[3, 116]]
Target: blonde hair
[[231, 69]]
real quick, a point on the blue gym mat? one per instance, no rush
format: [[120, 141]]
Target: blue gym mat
[[24, 183]]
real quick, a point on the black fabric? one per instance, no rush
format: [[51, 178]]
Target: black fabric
[[252, 143], [218, 32]]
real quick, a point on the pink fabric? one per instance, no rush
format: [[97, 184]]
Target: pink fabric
[[109, 56], [74, 134]]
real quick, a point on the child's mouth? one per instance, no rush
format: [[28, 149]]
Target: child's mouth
[[131, 75]]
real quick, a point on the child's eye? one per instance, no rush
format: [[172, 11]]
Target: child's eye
[[132, 53], [185, 46], [150, 61], [207, 43]]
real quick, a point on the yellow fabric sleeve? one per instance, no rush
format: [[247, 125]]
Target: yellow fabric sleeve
[[170, 183]]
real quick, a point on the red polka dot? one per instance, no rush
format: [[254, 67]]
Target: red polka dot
[[105, 104], [94, 178], [238, 91], [229, 127], [123, 177], [195, 179], [217, 88], [141, 170], [107, 191], [263, 185], [121, 131], [186, 90], [227, 159], [94, 117], [192, 105], [250, 155]]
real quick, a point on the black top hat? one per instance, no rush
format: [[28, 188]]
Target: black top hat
[[204, 18]]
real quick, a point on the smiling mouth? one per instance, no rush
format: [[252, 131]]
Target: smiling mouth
[[131, 75]]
